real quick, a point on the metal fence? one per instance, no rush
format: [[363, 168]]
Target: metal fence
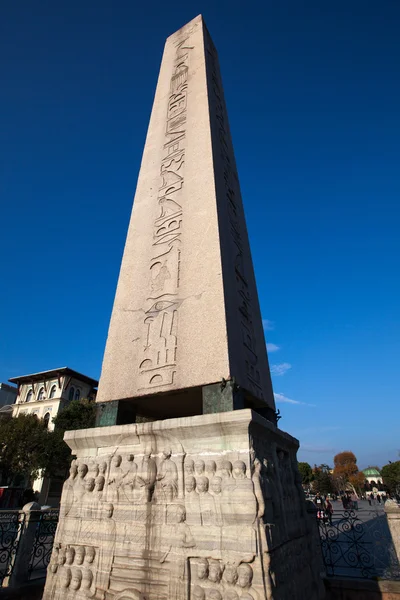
[[358, 544], [11, 523], [43, 544]]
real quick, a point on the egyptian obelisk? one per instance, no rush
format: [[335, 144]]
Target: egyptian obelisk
[[186, 314], [194, 494]]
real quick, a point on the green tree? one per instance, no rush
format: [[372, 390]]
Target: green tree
[[306, 473], [78, 414], [391, 477], [322, 480], [26, 448]]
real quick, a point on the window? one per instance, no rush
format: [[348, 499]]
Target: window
[[77, 394], [46, 419], [41, 394], [29, 396], [53, 391], [71, 393]]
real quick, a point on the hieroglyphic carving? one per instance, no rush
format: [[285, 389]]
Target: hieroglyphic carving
[[158, 363], [234, 211]]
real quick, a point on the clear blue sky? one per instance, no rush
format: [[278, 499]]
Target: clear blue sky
[[313, 94]]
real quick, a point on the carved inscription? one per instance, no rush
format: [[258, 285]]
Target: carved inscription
[[236, 219], [157, 366]]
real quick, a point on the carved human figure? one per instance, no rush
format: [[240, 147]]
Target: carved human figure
[[79, 555], [214, 595], [103, 468], [79, 490], [214, 570], [53, 564], [225, 469], [69, 555], [216, 491], [210, 468], [248, 596], [129, 478], [61, 558], [106, 528], [87, 501], [192, 502], [245, 573], [202, 569], [181, 540], [230, 574], [64, 579], [114, 480], [199, 593], [93, 468], [97, 496], [242, 498], [167, 477], [199, 468], [146, 478], [189, 467], [90, 554], [207, 504], [67, 498], [87, 578], [76, 579], [256, 478]]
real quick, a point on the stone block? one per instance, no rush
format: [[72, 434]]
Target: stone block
[[209, 506]]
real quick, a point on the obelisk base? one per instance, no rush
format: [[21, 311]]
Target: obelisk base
[[209, 506]]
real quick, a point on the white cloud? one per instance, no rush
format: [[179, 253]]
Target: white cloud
[[280, 369], [272, 348], [268, 325], [281, 398]]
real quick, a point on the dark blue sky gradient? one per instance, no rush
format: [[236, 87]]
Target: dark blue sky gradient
[[313, 95]]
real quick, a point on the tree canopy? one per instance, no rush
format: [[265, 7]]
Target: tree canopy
[[346, 473], [306, 473], [391, 477], [322, 480], [28, 448]]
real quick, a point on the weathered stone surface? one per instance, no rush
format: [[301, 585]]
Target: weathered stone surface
[[209, 506], [186, 311]]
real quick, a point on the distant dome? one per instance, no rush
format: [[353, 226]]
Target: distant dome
[[371, 472]]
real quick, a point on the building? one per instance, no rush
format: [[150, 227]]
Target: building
[[373, 476], [44, 394], [8, 394]]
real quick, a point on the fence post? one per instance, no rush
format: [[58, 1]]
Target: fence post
[[21, 561], [392, 510]]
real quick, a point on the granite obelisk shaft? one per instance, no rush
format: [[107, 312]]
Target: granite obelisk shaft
[[186, 311]]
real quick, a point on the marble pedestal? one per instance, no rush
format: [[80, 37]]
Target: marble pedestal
[[203, 507]]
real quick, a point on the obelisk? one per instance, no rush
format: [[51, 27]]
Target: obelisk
[[183, 504], [186, 315]]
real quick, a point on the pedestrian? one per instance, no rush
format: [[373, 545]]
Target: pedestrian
[[369, 500], [378, 497], [329, 510]]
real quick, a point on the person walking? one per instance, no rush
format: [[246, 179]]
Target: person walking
[[378, 497], [329, 510]]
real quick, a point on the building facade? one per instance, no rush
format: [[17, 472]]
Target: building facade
[[44, 394]]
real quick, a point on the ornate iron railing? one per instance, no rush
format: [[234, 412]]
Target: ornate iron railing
[[11, 523], [43, 543], [358, 545]]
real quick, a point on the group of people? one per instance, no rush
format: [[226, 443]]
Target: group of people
[[216, 581], [324, 508], [71, 569]]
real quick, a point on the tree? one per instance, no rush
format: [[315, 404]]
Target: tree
[[78, 414], [26, 449], [391, 477], [306, 473], [345, 467], [322, 480]]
